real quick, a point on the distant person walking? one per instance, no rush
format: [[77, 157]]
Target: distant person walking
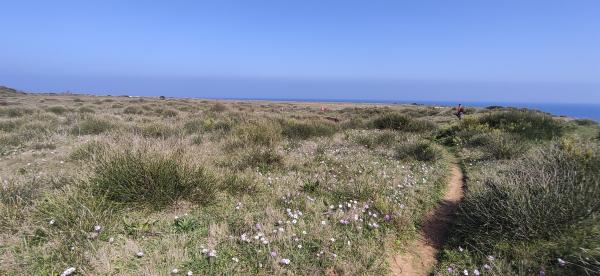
[[460, 111]]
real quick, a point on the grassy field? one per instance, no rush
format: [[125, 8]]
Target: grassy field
[[128, 185]]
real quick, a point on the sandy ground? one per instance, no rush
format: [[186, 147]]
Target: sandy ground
[[419, 258]]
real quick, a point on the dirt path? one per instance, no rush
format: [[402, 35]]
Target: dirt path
[[419, 258]]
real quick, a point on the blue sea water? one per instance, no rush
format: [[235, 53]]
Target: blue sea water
[[580, 111]]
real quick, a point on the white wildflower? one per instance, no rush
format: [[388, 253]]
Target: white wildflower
[[174, 271], [285, 261], [68, 271], [139, 254]]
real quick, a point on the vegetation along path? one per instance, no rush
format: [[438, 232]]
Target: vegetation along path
[[420, 257]]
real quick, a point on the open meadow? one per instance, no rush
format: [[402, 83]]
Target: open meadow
[[113, 185]]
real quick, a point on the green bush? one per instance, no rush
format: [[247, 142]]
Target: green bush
[[528, 124], [85, 109], [419, 150], [548, 189], [394, 121], [157, 130], [133, 110], [92, 126], [499, 145], [532, 211], [150, 178], [209, 124], [218, 107], [401, 122], [58, 110], [259, 133], [185, 224], [295, 129], [168, 113]]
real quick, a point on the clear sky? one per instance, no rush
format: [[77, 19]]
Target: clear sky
[[510, 51]]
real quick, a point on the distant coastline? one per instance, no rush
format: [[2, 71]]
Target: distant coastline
[[575, 110]]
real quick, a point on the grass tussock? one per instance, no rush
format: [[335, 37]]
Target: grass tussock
[[156, 130], [401, 122], [296, 129], [263, 133], [93, 126], [419, 150], [152, 178]]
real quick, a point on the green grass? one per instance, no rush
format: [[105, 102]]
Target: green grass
[[150, 178], [295, 129]]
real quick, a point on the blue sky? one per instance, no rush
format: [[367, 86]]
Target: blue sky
[[509, 51]]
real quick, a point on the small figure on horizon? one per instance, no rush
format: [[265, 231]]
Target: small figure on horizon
[[460, 111]]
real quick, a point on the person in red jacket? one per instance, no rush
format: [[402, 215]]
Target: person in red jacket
[[460, 111]]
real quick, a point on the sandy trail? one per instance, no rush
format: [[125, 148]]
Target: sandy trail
[[420, 257]]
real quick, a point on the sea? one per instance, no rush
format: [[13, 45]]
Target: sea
[[573, 110]]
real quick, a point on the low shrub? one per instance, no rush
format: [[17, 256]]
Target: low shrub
[[418, 150], [85, 109], [210, 124], [295, 129], [259, 133], [535, 196], [532, 211], [151, 178], [218, 107], [526, 123], [394, 121], [157, 130], [401, 122], [168, 113], [194, 125], [499, 145], [92, 126], [58, 110], [133, 110]]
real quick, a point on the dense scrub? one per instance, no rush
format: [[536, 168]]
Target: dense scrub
[[531, 205]]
